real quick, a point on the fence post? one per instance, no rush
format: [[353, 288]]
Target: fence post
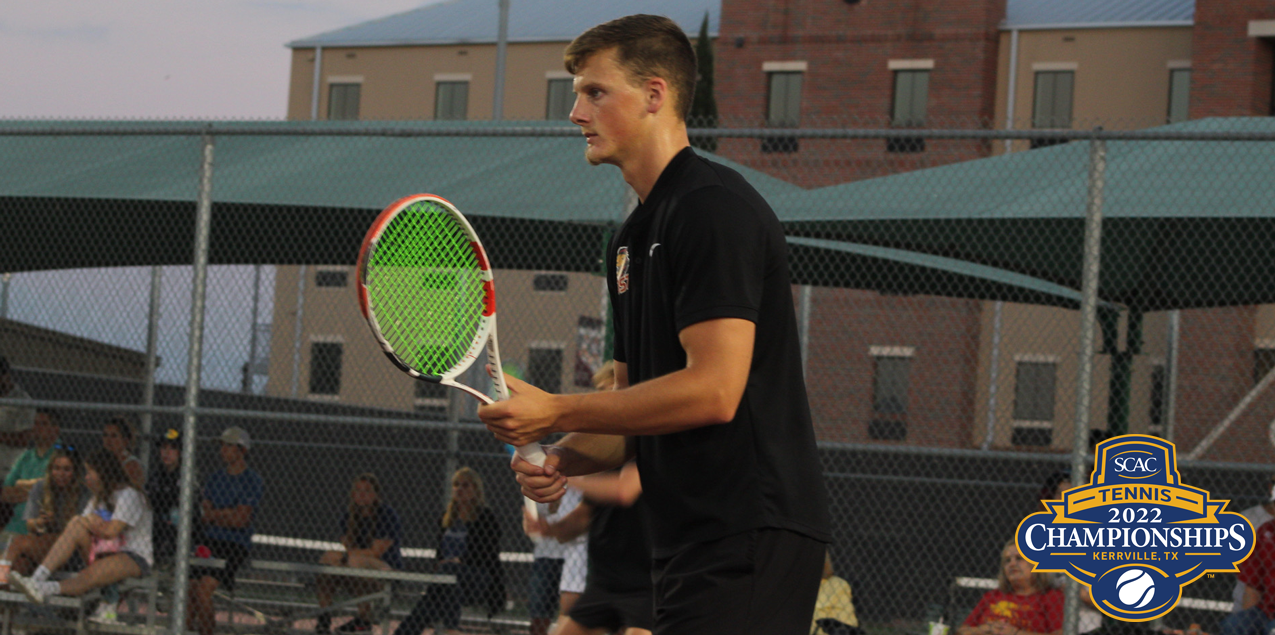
[[198, 290], [152, 358], [1088, 322]]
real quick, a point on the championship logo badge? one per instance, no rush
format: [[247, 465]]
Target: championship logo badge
[[1135, 535], [622, 270]]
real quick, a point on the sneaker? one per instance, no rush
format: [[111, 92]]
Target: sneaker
[[356, 625], [27, 586], [105, 613]]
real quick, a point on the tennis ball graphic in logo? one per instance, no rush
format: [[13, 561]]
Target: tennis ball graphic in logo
[[1135, 588]]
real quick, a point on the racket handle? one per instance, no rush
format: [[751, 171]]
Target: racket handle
[[532, 453]]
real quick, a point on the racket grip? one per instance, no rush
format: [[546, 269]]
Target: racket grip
[[532, 453]]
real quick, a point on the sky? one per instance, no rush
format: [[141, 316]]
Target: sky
[[161, 59]]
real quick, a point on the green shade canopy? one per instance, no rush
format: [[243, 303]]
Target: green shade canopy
[[1187, 224]]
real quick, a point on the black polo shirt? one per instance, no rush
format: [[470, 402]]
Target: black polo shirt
[[705, 245], [619, 548]]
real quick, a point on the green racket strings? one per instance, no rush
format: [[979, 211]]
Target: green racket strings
[[425, 287]]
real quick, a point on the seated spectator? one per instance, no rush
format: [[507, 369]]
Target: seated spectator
[[163, 491], [118, 436], [226, 510], [1257, 607], [834, 608], [1257, 516], [548, 589], [28, 470], [468, 547], [372, 539], [113, 535], [1025, 603], [54, 501]]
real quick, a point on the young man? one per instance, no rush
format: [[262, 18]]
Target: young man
[[711, 399], [230, 500]]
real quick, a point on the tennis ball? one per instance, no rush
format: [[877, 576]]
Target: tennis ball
[[1136, 588]]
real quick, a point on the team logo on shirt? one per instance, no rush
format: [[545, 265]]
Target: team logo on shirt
[[622, 270], [1134, 534]]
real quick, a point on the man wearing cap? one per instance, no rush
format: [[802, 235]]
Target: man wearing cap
[[163, 492], [230, 499], [15, 421]]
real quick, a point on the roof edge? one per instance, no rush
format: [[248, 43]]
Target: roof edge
[[310, 43], [1098, 25]]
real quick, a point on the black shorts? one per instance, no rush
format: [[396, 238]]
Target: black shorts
[[232, 552], [600, 608], [760, 581]]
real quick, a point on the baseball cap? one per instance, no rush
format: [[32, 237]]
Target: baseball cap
[[171, 436], [235, 435]]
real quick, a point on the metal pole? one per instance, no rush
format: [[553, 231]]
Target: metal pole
[[250, 375], [1012, 89], [296, 331], [152, 359], [198, 290], [803, 326], [1175, 340], [1088, 325], [502, 40], [316, 83], [4, 295], [993, 375]]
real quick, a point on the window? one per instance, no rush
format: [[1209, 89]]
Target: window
[[560, 100], [889, 398], [330, 278], [1052, 105], [325, 368], [1159, 389], [451, 100], [1263, 363], [431, 399], [549, 282], [544, 368], [343, 101], [1034, 384], [783, 109], [911, 92], [1179, 94]]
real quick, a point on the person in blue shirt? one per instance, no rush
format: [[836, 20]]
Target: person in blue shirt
[[372, 536], [226, 511]]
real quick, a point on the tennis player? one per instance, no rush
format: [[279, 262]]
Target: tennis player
[[711, 398]]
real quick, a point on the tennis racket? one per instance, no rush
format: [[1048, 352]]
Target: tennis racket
[[425, 288]]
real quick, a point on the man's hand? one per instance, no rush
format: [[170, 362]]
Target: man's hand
[[541, 484], [528, 415]]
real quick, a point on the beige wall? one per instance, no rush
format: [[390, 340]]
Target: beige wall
[[527, 318], [1122, 74], [398, 81]]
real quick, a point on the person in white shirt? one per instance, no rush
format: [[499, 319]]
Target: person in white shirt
[[113, 533]]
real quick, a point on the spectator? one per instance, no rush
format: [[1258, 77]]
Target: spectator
[[54, 501], [548, 584], [28, 469], [834, 610], [229, 503], [118, 436], [469, 548], [1025, 603], [15, 426], [163, 490], [114, 530], [372, 539], [1257, 516], [1257, 607]]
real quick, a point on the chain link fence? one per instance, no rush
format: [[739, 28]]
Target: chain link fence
[[939, 288]]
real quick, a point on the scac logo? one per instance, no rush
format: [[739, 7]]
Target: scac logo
[[1134, 534]]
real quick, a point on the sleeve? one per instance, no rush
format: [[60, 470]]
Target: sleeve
[[88, 507], [11, 478], [976, 616], [129, 506], [32, 510], [719, 258]]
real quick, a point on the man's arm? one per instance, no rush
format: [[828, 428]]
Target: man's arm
[[718, 357], [612, 489]]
